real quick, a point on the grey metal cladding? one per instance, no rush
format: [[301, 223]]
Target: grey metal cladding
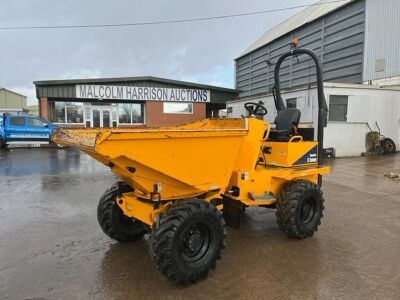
[[338, 36], [382, 43], [57, 91]]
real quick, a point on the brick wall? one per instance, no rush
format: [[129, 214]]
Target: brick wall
[[43, 107], [156, 117]]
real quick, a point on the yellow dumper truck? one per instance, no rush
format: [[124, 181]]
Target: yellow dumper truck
[[182, 184]]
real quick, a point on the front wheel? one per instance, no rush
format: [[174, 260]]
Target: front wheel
[[299, 209], [187, 240], [112, 220]]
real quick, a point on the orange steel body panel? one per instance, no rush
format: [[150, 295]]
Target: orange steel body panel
[[201, 159]]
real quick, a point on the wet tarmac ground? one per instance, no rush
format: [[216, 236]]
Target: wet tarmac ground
[[52, 248]]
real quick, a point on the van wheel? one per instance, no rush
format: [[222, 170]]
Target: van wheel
[[59, 146], [187, 239], [299, 209], [112, 220], [3, 144]]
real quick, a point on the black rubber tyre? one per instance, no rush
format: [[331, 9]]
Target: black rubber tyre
[[299, 209], [187, 239], [3, 144], [112, 220], [388, 146]]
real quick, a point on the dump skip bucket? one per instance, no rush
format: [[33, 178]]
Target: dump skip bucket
[[185, 161]]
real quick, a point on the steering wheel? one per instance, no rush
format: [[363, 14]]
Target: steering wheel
[[255, 109]]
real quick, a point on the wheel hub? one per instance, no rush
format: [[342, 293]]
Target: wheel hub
[[307, 210], [195, 242]]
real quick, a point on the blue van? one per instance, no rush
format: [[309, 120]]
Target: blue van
[[17, 129]]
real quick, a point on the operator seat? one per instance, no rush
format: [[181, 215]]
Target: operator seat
[[286, 124]]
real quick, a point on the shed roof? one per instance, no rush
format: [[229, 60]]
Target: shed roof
[[2, 88], [307, 15], [132, 79]]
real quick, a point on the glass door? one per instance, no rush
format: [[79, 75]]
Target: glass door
[[106, 118], [96, 121], [100, 116]]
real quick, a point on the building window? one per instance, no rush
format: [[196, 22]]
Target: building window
[[178, 108], [229, 111], [338, 108], [137, 113], [36, 122], [66, 112], [130, 113], [124, 113], [291, 103], [17, 121], [59, 113], [74, 112]]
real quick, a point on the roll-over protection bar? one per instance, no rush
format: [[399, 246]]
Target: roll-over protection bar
[[322, 106]]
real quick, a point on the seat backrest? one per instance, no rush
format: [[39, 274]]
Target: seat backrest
[[286, 119]]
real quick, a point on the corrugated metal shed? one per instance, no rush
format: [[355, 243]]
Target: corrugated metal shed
[[9, 91], [382, 39], [308, 15], [337, 36], [11, 100]]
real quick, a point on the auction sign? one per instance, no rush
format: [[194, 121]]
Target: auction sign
[[118, 92]]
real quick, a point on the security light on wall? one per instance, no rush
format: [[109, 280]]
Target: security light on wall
[[295, 42], [269, 63]]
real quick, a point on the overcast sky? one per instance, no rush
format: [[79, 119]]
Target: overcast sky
[[200, 51]]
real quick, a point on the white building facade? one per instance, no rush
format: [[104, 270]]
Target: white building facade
[[351, 108]]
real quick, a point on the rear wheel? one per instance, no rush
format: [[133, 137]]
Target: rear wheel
[[388, 145], [112, 220], [299, 209], [187, 240]]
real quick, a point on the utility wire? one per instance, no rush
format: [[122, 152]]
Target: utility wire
[[167, 21]]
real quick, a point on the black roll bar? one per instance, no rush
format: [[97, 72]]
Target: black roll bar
[[322, 106]]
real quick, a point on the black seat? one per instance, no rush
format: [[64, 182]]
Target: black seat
[[286, 123]]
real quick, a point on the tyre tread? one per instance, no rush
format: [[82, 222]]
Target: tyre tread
[[287, 204], [163, 234], [105, 213]]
